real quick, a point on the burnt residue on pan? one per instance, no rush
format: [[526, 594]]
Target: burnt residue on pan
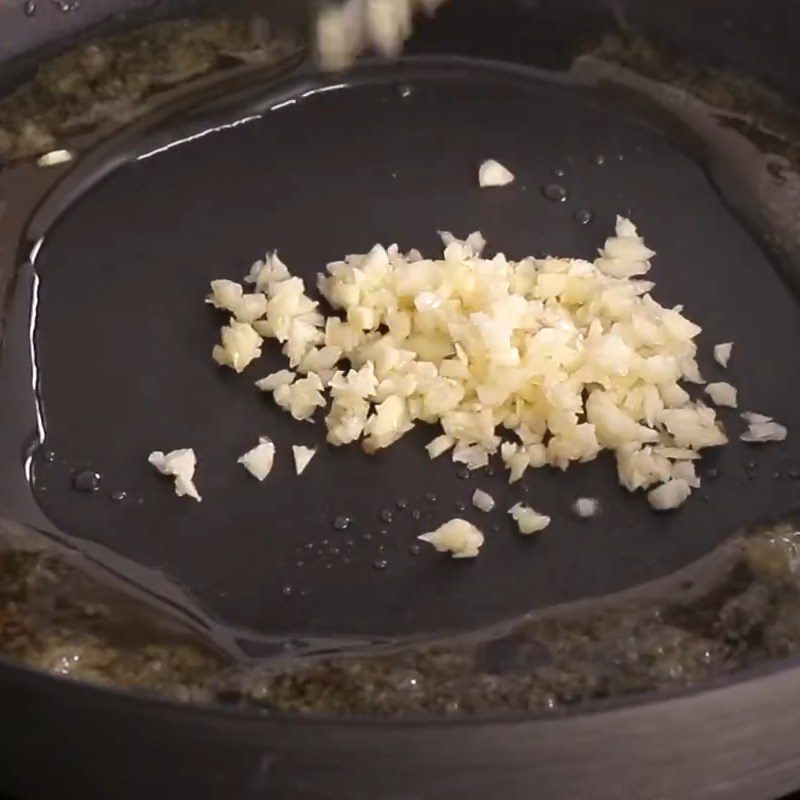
[[738, 608], [103, 85]]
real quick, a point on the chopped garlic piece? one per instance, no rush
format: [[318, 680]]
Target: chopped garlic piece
[[473, 456], [722, 394], [302, 457], [302, 398], [493, 173], [751, 417], [472, 246], [624, 255], [229, 296], [259, 461], [439, 446], [762, 429], [528, 521], [181, 465], [685, 470], [458, 537], [722, 353], [641, 468], [695, 427], [586, 507], [240, 346], [54, 158], [677, 453], [225, 294], [483, 501], [268, 272], [275, 380], [348, 27], [669, 495], [760, 432]]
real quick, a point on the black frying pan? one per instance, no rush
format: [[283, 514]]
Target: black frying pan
[[318, 166]]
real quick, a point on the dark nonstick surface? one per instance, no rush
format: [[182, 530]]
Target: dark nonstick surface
[[123, 348]]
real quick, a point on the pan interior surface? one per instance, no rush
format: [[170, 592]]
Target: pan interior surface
[[123, 352]]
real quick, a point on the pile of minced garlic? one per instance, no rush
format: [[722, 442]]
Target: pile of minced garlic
[[544, 361]]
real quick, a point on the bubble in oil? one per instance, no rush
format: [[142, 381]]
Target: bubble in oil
[[463, 473], [386, 515], [555, 192], [405, 90], [402, 504], [30, 8], [287, 590], [431, 497], [415, 549], [341, 523], [48, 457], [416, 514], [380, 563], [599, 159], [583, 216], [558, 172], [87, 482], [119, 496]]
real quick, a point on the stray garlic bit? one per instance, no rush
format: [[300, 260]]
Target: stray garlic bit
[[260, 460], [528, 521], [492, 173], [459, 537], [483, 501], [762, 429], [179, 464], [302, 457], [722, 353]]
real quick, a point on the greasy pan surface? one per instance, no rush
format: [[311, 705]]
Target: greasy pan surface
[[123, 340]]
